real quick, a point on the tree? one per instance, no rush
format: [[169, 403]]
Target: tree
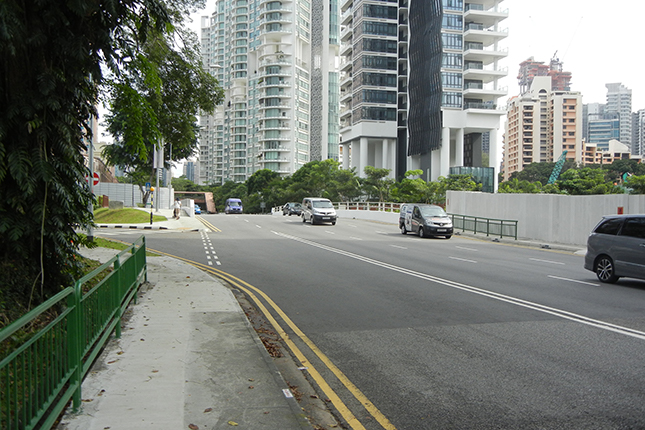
[[155, 99], [51, 59], [516, 186], [377, 184], [636, 183], [183, 184], [411, 188], [586, 181], [540, 172]]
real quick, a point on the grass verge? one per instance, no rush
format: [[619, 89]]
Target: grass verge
[[125, 216]]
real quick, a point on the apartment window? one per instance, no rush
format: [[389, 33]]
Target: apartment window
[[452, 41], [380, 45], [380, 28], [452, 22], [451, 61], [453, 4], [378, 11], [388, 63], [377, 79], [376, 96], [451, 80], [377, 113], [450, 99]]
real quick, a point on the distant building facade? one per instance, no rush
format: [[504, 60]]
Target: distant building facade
[[420, 83], [276, 61], [541, 124], [619, 102]]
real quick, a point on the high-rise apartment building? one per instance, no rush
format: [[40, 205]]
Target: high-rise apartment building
[[619, 101], [277, 63], [638, 133], [541, 124], [420, 83]]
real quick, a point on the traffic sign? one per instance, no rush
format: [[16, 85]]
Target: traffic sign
[[97, 179]]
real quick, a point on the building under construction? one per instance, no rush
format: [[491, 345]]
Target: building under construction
[[529, 69]]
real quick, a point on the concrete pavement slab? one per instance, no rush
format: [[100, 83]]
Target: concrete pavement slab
[[187, 359]]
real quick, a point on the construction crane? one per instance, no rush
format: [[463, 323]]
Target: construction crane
[[558, 167]]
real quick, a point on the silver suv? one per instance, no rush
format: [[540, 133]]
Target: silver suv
[[616, 248]]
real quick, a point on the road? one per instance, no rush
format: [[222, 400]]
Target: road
[[414, 333]]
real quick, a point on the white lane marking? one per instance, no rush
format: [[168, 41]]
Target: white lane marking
[[546, 261], [462, 259], [210, 263], [466, 249], [218, 263], [330, 232], [559, 313], [355, 238], [258, 226], [380, 232], [208, 257], [574, 280], [397, 246]]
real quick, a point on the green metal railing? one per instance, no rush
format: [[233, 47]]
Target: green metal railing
[[490, 226], [40, 376]]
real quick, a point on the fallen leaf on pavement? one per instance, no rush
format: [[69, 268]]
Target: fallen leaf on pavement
[[232, 423], [208, 410], [193, 427]]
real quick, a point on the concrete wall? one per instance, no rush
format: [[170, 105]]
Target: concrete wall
[[131, 195], [547, 217]]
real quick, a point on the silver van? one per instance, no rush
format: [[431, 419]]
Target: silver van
[[318, 210], [425, 220]]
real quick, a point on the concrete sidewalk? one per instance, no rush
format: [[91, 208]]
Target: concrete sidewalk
[[187, 359]]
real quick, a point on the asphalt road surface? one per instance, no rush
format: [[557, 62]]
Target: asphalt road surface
[[415, 333]]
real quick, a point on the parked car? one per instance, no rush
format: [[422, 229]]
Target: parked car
[[318, 210], [616, 248], [425, 220], [198, 210], [291, 208]]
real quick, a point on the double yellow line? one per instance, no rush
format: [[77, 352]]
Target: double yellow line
[[251, 291], [208, 224]]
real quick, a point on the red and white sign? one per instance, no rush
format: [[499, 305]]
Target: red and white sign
[[96, 179]]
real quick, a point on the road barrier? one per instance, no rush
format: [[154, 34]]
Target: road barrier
[[490, 226], [44, 372]]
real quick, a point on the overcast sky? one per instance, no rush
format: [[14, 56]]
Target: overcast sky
[[599, 42]]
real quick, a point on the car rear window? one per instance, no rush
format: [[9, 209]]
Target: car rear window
[[634, 227], [609, 226]]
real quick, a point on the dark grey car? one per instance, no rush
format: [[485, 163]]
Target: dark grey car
[[291, 208], [616, 248]]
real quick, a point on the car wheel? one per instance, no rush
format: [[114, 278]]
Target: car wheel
[[605, 270], [421, 232], [312, 220], [333, 223], [304, 219], [403, 230], [283, 214], [448, 237]]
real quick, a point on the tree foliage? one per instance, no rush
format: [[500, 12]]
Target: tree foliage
[[155, 99], [51, 58]]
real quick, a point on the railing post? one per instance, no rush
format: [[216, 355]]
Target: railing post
[[487, 226], [118, 294], [75, 333], [475, 228]]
